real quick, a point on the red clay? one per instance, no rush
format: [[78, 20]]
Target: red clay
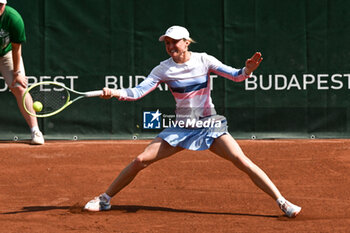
[[43, 188]]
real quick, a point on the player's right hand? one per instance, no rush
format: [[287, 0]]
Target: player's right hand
[[109, 93]]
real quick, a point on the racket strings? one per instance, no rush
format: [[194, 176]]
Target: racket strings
[[50, 96]]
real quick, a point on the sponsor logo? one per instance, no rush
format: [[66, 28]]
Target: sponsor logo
[[151, 119]]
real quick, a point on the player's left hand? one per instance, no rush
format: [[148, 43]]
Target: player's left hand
[[253, 63]]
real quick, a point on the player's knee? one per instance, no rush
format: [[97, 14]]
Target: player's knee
[[138, 164], [243, 163]]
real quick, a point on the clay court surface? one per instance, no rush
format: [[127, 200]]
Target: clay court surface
[[43, 188]]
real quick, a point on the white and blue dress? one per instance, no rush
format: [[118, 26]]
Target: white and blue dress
[[189, 83]]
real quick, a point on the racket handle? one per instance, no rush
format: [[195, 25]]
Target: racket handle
[[93, 93]]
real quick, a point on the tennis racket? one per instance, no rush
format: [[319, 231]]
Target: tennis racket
[[50, 98]]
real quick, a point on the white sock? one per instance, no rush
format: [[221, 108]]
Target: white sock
[[281, 200], [105, 195], [35, 128]]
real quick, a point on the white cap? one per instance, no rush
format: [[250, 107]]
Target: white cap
[[176, 32], [3, 1]]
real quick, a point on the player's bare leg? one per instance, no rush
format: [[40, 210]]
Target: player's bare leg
[[227, 148], [158, 149]]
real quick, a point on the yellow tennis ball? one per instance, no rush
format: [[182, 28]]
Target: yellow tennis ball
[[38, 106]]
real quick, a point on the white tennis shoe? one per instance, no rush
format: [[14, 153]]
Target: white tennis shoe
[[99, 203], [288, 208], [37, 138]]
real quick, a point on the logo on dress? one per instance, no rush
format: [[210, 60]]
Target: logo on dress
[[151, 119]]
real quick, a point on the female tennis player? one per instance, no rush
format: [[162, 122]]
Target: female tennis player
[[187, 75]]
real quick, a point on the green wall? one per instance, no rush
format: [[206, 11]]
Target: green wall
[[300, 90]]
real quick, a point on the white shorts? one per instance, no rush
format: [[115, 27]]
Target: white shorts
[[6, 68]]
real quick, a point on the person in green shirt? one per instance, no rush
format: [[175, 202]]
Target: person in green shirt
[[12, 35]]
